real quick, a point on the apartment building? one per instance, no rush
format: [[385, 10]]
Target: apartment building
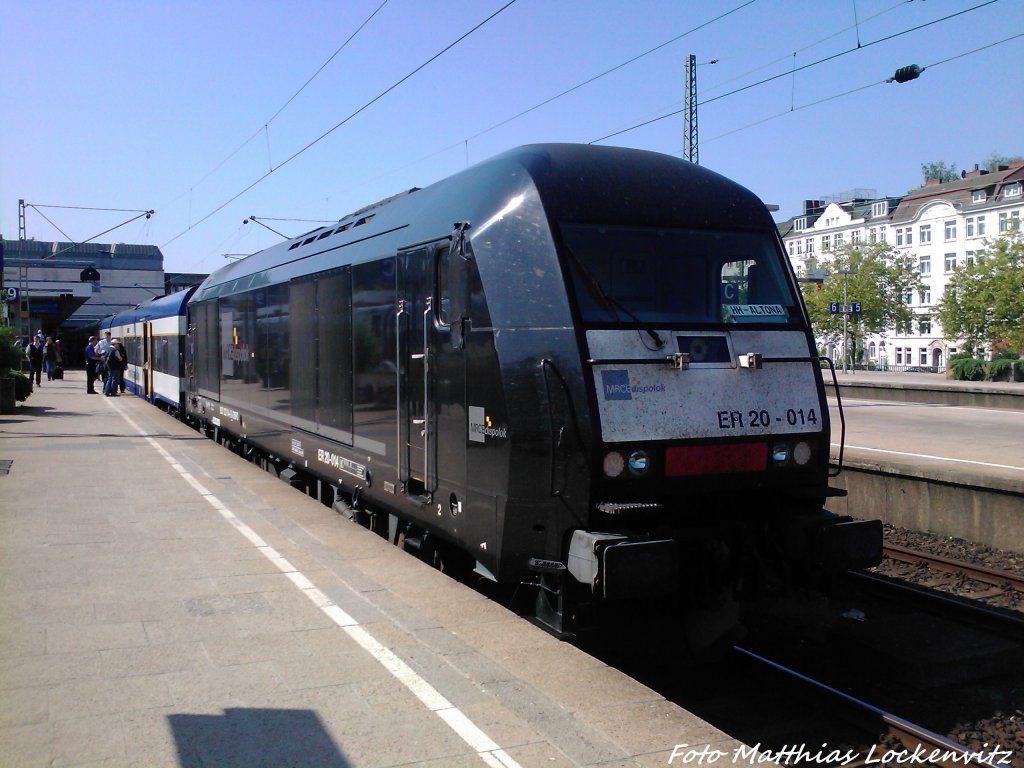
[[939, 225]]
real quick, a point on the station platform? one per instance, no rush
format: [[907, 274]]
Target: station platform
[[933, 454], [933, 388], [165, 603]]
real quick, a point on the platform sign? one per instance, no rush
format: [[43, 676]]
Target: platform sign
[[10, 294], [838, 308]]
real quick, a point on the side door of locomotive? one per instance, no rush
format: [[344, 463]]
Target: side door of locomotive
[[430, 361]]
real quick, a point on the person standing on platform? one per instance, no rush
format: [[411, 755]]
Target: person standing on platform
[[102, 349], [90, 366], [103, 346], [34, 353], [115, 368], [49, 358], [119, 345]]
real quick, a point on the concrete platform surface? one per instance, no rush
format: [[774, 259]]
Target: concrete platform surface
[[164, 603]]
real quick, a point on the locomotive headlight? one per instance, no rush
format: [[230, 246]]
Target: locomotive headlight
[[639, 462], [614, 464], [780, 453], [802, 453]]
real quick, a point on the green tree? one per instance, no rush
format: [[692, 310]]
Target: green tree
[[984, 301], [994, 160], [939, 170], [880, 279]]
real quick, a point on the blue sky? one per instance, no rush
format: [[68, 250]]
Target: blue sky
[[142, 105]]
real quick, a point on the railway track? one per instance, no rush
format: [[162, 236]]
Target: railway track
[[899, 741], [999, 580]]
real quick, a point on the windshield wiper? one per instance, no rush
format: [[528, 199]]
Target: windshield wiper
[[611, 303]]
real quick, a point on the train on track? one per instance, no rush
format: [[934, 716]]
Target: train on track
[[583, 368]]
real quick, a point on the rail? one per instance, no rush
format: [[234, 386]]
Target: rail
[[928, 746]]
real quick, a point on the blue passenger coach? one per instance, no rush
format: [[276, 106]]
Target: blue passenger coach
[[154, 335]]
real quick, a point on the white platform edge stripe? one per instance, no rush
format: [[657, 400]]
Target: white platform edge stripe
[[466, 729]]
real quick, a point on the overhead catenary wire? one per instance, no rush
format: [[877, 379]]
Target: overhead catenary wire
[[795, 70], [861, 88], [281, 109], [331, 130], [617, 67], [464, 143]]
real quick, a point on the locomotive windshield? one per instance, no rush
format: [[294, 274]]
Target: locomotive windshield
[[669, 276]]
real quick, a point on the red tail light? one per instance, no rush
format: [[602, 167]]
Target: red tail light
[[716, 459]]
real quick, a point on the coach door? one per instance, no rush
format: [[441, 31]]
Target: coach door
[[146, 364], [431, 372]]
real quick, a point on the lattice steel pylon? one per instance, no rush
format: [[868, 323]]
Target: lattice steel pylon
[[690, 148]]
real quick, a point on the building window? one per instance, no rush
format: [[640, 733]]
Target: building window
[[899, 355], [872, 351], [826, 242], [1009, 222], [950, 230], [922, 353], [981, 226], [969, 258], [970, 227], [924, 324], [879, 209], [924, 264], [791, 247], [910, 236], [926, 296], [800, 246], [1012, 190], [881, 234], [910, 298], [979, 196], [800, 224], [809, 245], [925, 234], [950, 264], [855, 236], [839, 239], [872, 235]]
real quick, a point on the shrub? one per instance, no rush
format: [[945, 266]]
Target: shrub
[[968, 369], [960, 356], [999, 370], [22, 385], [10, 355]]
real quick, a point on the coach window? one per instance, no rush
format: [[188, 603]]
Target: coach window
[[207, 366], [275, 348], [443, 288], [334, 354], [302, 341]]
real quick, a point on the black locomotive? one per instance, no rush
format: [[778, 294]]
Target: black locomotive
[[585, 368]]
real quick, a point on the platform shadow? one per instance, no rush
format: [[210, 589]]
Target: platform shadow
[[251, 738]]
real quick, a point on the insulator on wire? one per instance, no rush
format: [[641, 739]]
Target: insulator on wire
[[903, 74]]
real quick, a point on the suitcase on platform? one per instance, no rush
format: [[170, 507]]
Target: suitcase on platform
[[58, 373]]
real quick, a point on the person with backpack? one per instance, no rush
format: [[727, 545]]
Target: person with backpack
[[115, 368]]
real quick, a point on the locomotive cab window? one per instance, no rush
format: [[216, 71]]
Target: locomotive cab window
[[626, 275]]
